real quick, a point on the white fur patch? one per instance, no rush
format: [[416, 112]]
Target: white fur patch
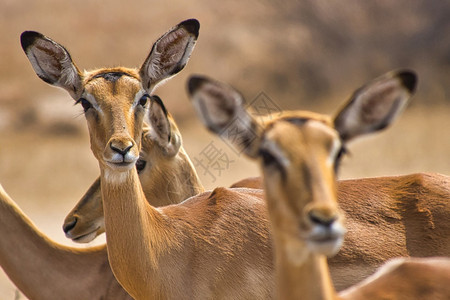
[[91, 98], [334, 152], [115, 177]]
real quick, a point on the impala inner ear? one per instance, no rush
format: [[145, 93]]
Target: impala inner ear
[[163, 131], [169, 54], [376, 105], [52, 62], [220, 108]]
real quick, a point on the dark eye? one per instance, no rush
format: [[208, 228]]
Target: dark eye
[[338, 159], [86, 104], [268, 158], [143, 100], [140, 165], [270, 161]]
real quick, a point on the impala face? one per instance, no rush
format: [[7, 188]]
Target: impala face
[[159, 161], [114, 103], [302, 173], [114, 99]]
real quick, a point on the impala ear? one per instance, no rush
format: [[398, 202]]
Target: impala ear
[[169, 54], [165, 134], [220, 108], [52, 62], [376, 105]]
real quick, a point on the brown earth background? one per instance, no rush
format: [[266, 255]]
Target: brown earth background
[[307, 54]]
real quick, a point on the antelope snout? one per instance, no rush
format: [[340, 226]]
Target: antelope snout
[[121, 153], [327, 229], [323, 216], [69, 224]]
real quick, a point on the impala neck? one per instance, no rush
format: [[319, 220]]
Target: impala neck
[[41, 268], [306, 279], [172, 182], [136, 232]]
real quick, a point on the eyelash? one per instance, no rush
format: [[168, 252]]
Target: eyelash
[[343, 151], [144, 99], [86, 104]]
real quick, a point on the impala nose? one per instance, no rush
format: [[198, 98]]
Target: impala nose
[[70, 225], [121, 149], [323, 219], [327, 230]]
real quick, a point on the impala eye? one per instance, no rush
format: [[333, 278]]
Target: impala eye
[[267, 157], [271, 161], [338, 159], [143, 100], [140, 165], [86, 104]]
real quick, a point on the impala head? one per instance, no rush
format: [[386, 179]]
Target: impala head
[[114, 99], [165, 171], [299, 153]]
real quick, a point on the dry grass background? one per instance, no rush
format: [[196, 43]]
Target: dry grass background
[[302, 54]]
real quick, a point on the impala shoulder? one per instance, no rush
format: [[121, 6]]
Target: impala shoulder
[[220, 194], [432, 181], [251, 182]]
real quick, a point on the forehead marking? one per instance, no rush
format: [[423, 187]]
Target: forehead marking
[[111, 76]]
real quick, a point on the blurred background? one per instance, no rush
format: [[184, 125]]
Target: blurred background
[[309, 54]]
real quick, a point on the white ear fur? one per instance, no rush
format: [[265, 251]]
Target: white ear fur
[[52, 62], [169, 54], [376, 105], [220, 108]]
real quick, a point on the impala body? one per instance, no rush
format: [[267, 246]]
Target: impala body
[[43, 269], [182, 251], [299, 153], [175, 251]]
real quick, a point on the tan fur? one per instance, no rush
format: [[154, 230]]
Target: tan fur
[[43, 269], [160, 252], [165, 180], [410, 209], [405, 279], [301, 191], [390, 217], [115, 101], [290, 199], [387, 217], [152, 251]]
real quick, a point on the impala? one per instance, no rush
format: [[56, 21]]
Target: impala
[[146, 253], [182, 251], [25, 252], [298, 154], [43, 269]]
